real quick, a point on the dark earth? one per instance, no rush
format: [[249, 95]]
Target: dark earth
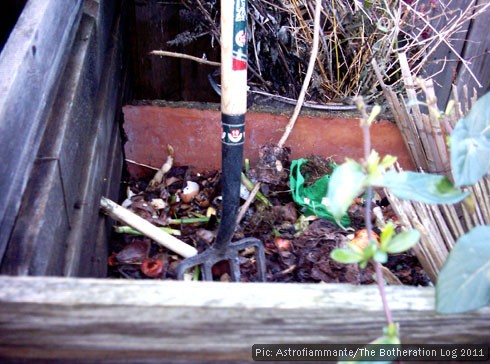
[[297, 247]]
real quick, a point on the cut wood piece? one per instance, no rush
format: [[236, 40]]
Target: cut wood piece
[[101, 171], [67, 133], [208, 322], [160, 237], [42, 221], [59, 232], [31, 66]]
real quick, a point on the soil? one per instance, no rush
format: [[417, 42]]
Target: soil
[[297, 247]]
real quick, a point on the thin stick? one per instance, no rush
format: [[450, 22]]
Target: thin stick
[[299, 104], [141, 164], [170, 242], [185, 56], [309, 73], [464, 62], [247, 203]]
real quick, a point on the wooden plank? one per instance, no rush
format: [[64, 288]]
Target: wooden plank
[[67, 134], [152, 24], [37, 239], [476, 52], [97, 266], [103, 12], [169, 322], [194, 80], [75, 139], [30, 69], [112, 185], [65, 138], [443, 62], [84, 257]]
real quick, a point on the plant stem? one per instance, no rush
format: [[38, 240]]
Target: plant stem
[[184, 56], [367, 213], [190, 220], [381, 286], [377, 266], [130, 230], [250, 186]]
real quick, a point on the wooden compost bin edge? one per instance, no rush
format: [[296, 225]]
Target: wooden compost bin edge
[[168, 321]]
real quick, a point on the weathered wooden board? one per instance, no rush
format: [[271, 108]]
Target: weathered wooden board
[[477, 53], [72, 130], [101, 172], [172, 322], [152, 24], [31, 65], [58, 237], [67, 135], [470, 42], [32, 245], [96, 265], [102, 11]]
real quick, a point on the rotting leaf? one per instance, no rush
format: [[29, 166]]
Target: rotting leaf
[[134, 253]]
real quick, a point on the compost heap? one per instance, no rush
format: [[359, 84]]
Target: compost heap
[[287, 216]]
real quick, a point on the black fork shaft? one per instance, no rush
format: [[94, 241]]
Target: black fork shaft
[[231, 164]]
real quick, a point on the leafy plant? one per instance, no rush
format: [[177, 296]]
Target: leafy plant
[[470, 144], [464, 282]]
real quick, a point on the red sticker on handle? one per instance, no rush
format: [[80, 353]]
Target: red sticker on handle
[[239, 65]]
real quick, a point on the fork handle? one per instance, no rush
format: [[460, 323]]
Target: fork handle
[[233, 109]]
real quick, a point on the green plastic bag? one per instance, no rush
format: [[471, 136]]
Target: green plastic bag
[[309, 198]]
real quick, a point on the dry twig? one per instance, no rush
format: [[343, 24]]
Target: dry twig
[[184, 56], [297, 109]]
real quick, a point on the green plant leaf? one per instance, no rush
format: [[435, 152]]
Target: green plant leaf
[[464, 281], [403, 241], [388, 161], [363, 264], [346, 256], [470, 144], [346, 183], [380, 256], [392, 342], [373, 162], [386, 235], [422, 187], [392, 331]]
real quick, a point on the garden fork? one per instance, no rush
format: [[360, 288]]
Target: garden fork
[[233, 109]]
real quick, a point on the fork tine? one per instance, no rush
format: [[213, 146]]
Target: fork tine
[[260, 258], [212, 256], [207, 271], [234, 268]]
